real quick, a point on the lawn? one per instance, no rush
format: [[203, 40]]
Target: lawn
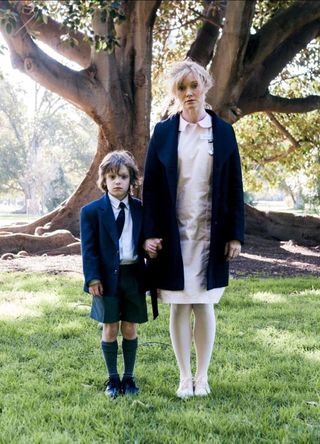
[[265, 372]]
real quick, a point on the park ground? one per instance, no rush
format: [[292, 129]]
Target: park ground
[[264, 375], [259, 258]]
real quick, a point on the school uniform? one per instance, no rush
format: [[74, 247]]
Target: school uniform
[[118, 263]]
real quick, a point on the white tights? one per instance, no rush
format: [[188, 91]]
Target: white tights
[[181, 333]]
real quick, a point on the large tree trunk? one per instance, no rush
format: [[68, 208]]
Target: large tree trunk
[[114, 89]]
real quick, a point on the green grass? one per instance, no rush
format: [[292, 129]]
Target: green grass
[[264, 374]]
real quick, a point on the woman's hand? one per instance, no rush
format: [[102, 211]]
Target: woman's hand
[[232, 249], [152, 246], [96, 289]]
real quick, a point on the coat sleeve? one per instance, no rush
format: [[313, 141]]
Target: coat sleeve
[[236, 203], [89, 246], [152, 186]]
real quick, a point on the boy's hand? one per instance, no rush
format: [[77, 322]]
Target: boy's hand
[[96, 289], [152, 246]]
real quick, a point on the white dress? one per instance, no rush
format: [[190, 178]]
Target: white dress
[[194, 213]]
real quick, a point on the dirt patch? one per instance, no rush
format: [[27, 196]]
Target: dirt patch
[[44, 264], [259, 258], [267, 258]]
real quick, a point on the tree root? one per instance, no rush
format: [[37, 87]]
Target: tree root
[[305, 230], [56, 242]]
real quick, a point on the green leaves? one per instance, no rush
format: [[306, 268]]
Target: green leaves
[[77, 15], [106, 43], [8, 20], [296, 171]]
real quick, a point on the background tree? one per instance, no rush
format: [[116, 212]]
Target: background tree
[[245, 44], [37, 148]]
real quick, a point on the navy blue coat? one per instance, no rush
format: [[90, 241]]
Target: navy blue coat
[[100, 244], [159, 202]]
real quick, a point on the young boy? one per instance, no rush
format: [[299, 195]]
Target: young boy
[[113, 266]]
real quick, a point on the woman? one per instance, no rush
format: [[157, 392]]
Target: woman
[[194, 218]]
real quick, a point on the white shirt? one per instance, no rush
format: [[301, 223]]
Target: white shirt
[[126, 246]]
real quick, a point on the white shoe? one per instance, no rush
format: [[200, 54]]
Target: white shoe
[[185, 389], [201, 387]]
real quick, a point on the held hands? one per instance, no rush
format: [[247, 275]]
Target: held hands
[[232, 249], [152, 246], [96, 289]]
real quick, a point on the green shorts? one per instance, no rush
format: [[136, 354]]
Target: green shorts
[[129, 304]]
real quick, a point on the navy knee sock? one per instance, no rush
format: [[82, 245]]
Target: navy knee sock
[[110, 354], [129, 348]]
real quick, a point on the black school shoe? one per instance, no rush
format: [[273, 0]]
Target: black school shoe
[[113, 387], [129, 386]]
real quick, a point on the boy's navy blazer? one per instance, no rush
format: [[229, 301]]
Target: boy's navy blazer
[[100, 245], [159, 202]]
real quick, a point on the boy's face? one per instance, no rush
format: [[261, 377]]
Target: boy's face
[[118, 183]]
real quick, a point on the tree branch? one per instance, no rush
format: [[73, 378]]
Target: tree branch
[[282, 105], [74, 86], [151, 10], [77, 87], [283, 130], [50, 33], [13, 125], [276, 62], [202, 48], [280, 57], [277, 30], [227, 63]]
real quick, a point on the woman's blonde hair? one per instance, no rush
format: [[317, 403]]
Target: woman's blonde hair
[[178, 72], [112, 162]]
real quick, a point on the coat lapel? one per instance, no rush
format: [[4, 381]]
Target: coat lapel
[[217, 142], [108, 218], [168, 154], [168, 151]]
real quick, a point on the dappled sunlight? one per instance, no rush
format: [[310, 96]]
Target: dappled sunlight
[[298, 249], [67, 329], [308, 292], [298, 265], [271, 298], [19, 304], [283, 340], [280, 339], [313, 355], [278, 298], [78, 306]]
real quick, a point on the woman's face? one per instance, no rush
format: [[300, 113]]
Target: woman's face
[[190, 93]]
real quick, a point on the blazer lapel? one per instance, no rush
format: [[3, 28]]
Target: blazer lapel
[[108, 218], [136, 222]]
